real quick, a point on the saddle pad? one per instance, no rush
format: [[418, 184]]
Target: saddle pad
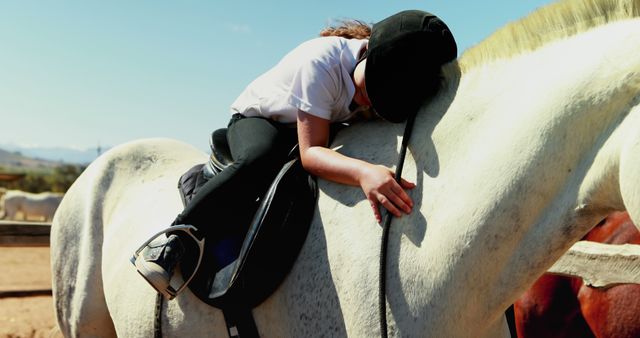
[[265, 247], [190, 182]]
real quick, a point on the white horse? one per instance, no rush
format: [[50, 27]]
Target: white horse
[[520, 153], [3, 191], [41, 206]]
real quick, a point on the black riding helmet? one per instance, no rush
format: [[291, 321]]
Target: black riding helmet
[[405, 54]]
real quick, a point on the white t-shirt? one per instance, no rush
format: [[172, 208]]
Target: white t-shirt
[[315, 77]]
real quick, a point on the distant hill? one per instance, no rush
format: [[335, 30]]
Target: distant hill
[[55, 155], [16, 161]]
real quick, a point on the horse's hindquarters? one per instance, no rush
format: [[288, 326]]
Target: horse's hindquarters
[[75, 259], [119, 201]]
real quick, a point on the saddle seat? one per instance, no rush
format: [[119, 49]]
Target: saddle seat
[[220, 157]]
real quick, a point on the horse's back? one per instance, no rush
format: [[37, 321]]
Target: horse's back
[[42, 205]]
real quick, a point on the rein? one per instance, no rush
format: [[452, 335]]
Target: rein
[[382, 302], [157, 317]]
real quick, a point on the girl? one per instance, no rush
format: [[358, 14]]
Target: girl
[[391, 68]]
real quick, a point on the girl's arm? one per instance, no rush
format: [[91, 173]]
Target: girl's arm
[[377, 182]]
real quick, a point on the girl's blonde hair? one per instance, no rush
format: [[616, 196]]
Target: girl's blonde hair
[[348, 29]]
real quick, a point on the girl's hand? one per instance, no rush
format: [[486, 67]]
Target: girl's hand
[[380, 187], [376, 181]]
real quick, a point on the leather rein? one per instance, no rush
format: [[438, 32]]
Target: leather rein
[[386, 226]]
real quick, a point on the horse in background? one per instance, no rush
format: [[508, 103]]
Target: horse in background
[[563, 307], [30, 206], [531, 141]]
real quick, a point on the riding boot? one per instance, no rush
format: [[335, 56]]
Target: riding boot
[[157, 261]]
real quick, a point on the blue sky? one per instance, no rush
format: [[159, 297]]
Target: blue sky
[[83, 73]]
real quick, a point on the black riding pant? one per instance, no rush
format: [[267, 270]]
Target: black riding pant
[[259, 148]]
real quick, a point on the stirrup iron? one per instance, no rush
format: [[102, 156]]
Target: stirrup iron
[[189, 229]]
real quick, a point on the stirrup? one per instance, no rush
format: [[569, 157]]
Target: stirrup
[[171, 291]]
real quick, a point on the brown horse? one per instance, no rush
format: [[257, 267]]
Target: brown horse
[[557, 306]]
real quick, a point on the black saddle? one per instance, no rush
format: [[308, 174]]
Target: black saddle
[[264, 248]]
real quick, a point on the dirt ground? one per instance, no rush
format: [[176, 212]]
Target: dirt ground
[[26, 269]]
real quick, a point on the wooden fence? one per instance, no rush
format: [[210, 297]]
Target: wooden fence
[[601, 265], [24, 234], [16, 233], [598, 264]]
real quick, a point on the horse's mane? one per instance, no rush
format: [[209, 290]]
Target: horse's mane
[[547, 24]]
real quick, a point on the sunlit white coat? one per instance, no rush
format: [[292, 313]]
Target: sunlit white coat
[[514, 161]]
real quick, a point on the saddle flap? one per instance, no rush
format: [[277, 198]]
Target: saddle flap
[[263, 249], [227, 276]]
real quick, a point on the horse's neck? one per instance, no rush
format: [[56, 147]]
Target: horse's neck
[[519, 166], [541, 116]]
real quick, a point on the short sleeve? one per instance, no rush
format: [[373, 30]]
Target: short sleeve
[[313, 90]]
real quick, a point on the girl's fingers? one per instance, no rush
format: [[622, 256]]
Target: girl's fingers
[[380, 190], [406, 184], [389, 206], [376, 210], [401, 198]]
